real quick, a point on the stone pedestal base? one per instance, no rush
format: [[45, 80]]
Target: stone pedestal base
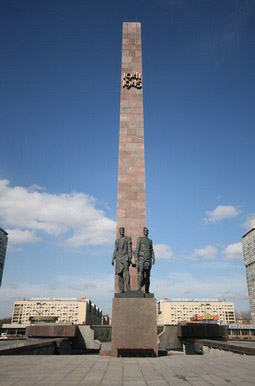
[[133, 294], [134, 324]]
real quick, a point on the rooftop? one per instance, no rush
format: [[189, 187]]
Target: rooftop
[[2, 230]]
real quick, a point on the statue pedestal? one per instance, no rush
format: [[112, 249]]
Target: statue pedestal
[[133, 294], [134, 323]]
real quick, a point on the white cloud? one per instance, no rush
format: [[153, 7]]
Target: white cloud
[[72, 217], [189, 286], [34, 187], [232, 296], [221, 212], [249, 222], [99, 289], [18, 236], [163, 251], [208, 252], [233, 251]]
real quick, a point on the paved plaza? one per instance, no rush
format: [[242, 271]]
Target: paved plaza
[[94, 370]]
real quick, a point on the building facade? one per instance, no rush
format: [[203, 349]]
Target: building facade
[[176, 312], [3, 247], [248, 244], [57, 311]]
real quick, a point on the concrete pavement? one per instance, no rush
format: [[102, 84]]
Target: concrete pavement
[[49, 370]]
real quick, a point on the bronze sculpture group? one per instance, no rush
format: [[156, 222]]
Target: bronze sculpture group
[[144, 259]]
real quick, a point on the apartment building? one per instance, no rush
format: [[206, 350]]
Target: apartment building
[[177, 311], [248, 244], [57, 310], [3, 247]]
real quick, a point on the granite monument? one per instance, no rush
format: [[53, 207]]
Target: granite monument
[[134, 320]]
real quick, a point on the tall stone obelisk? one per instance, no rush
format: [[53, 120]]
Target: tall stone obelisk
[[134, 320], [131, 206]]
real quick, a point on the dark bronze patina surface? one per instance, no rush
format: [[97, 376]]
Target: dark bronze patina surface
[[122, 256], [144, 259]]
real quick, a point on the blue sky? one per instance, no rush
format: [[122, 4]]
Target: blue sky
[[60, 92]]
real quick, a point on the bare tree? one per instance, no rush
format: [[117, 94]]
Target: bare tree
[[244, 317], [5, 320]]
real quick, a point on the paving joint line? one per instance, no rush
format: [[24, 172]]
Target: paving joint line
[[89, 370], [225, 368], [151, 361], [47, 380], [105, 372], [201, 375], [141, 372]]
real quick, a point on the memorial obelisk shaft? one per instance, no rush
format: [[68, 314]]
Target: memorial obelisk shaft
[[131, 206], [134, 319]]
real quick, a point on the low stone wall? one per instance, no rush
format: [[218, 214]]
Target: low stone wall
[[38, 347], [51, 330], [217, 347], [103, 333], [84, 341], [168, 339], [202, 330]]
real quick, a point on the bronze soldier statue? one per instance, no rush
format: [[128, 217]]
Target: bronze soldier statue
[[123, 255], [144, 258]]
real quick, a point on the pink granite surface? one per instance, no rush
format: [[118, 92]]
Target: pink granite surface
[[134, 324], [131, 206], [51, 330]]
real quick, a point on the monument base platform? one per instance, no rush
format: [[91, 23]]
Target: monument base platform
[[133, 294], [134, 324], [106, 349]]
